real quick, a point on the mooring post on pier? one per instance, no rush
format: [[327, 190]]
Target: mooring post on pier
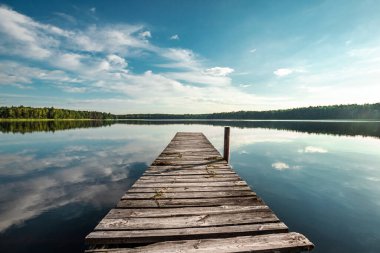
[[226, 150]]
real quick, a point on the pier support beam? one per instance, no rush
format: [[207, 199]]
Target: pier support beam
[[226, 150]]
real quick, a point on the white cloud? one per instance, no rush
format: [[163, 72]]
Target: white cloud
[[280, 166], [283, 166], [95, 59], [312, 149], [93, 9], [253, 50], [146, 34], [283, 72], [174, 37], [117, 61], [219, 71]]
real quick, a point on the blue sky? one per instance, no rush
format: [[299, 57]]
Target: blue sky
[[189, 56]]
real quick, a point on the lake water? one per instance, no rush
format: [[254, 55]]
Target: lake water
[[58, 179]]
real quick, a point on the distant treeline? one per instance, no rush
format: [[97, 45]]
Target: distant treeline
[[24, 112], [50, 126], [354, 111]]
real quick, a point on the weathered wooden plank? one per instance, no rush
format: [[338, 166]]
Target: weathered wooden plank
[[149, 236], [190, 153], [162, 194], [190, 167], [159, 162], [170, 212], [189, 189], [259, 243], [183, 177], [205, 220], [190, 158], [162, 185], [187, 172], [204, 179], [189, 149], [162, 203]]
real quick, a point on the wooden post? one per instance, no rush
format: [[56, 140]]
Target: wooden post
[[226, 155]]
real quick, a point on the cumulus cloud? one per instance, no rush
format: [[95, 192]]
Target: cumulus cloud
[[174, 37], [280, 166], [283, 72], [283, 166], [146, 34], [97, 59], [312, 149]]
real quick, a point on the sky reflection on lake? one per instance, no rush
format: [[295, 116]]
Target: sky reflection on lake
[[55, 187]]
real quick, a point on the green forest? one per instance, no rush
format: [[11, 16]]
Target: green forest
[[354, 111], [349, 112], [24, 112]]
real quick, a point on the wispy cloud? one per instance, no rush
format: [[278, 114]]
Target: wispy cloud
[[174, 37], [283, 166], [219, 71], [253, 50], [66, 17]]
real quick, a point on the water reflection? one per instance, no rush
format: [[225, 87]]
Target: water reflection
[[56, 186], [362, 128]]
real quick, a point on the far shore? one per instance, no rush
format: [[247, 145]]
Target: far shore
[[283, 120]]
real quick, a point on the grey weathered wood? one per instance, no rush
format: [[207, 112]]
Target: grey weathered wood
[[190, 178], [188, 197], [287, 242], [202, 184], [162, 194], [170, 212], [190, 189], [156, 235], [203, 179], [162, 203], [187, 172], [204, 220], [226, 150]]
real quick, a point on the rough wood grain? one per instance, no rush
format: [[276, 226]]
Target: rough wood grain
[[162, 194], [190, 189], [149, 236], [171, 212], [204, 220], [162, 203], [260, 243], [202, 184]]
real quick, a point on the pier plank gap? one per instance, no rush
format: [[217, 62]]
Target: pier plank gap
[[190, 200]]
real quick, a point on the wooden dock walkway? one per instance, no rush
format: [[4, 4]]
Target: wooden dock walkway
[[190, 200]]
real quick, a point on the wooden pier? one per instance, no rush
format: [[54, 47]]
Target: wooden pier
[[190, 200]]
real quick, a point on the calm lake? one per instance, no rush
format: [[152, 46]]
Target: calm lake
[[58, 179]]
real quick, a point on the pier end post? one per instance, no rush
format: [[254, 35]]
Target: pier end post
[[226, 149]]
